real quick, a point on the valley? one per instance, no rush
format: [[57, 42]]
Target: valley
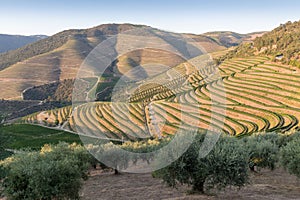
[[207, 111]]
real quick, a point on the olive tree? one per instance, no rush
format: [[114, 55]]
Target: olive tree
[[263, 151], [119, 156], [3, 152], [114, 157], [290, 157], [226, 164], [56, 172]]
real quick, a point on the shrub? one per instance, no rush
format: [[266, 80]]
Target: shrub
[[226, 164], [118, 156], [290, 137], [273, 137], [290, 157], [115, 157], [3, 152], [145, 150], [263, 151], [56, 172]]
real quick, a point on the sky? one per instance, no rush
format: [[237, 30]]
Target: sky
[[31, 17]]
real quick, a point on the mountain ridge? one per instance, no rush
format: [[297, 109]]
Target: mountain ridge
[[58, 57], [230, 38]]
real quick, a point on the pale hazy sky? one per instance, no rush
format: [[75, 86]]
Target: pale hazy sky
[[28, 17]]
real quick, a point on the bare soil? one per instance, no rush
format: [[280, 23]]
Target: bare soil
[[266, 185]]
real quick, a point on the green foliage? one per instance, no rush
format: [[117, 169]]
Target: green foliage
[[286, 39], [288, 138], [117, 157], [263, 151], [226, 164], [272, 137], [145, 149], [30, 136], [8, 107], [15, 109], [283, 40], [57, 91], [56, 172], [3, 153], [3, 141], [290, 157], [244, 50]]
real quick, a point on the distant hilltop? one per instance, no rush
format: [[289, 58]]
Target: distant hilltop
[[281, 44], [12, 42]]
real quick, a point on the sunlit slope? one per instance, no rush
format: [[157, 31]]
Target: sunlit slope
[[248, 95], [60, 56]]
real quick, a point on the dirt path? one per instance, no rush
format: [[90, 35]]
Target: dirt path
[[266, 185]]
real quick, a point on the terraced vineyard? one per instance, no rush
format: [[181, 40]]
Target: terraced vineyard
[[242, 96], [56, 117]]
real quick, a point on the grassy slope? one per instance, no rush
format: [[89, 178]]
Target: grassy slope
[[32, 136]]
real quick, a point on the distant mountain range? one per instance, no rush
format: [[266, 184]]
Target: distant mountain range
[[228, 38], [58, 57], [12, 42]]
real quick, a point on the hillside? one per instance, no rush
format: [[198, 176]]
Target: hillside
[[281, 45], [228, 38], [56, 91], [12, 42], [249, 95], [58, 57], [245, 94]]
